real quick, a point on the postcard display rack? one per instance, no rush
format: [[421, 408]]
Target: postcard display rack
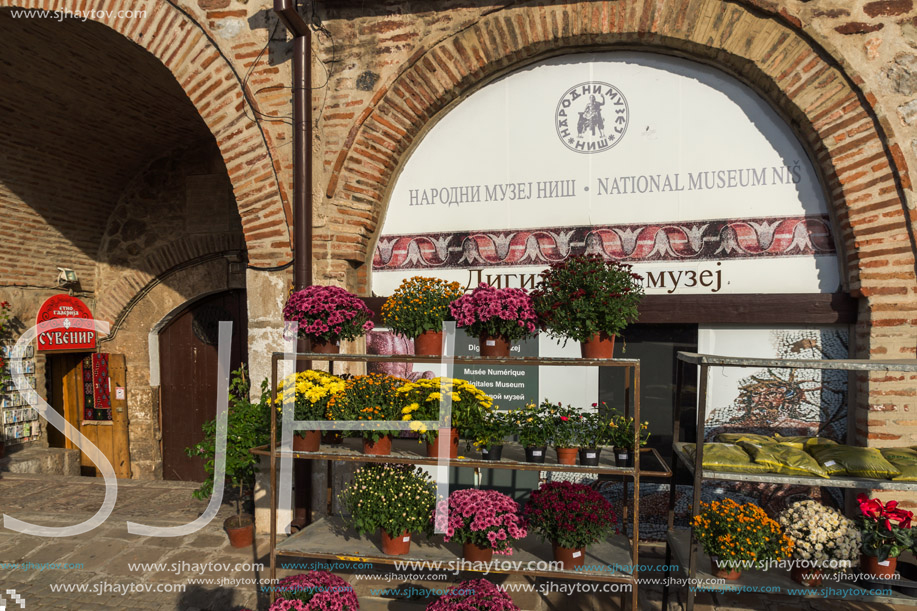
[[682, 545], [328, 539], [17, 416]]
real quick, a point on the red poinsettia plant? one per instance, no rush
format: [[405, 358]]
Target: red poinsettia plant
[[886, 528]]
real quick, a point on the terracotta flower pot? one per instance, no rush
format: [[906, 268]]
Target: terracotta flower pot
[[494, 346], [492, 453], [882, 570], [472, 553], [599, 346], [383, 447], [535, 454], [323, 347], [307, 441], [808, 577], [429, 343], [566, 456], [241, 530], [723, 571], [433, 448], [396, 546], [570, 557], [589, 457]]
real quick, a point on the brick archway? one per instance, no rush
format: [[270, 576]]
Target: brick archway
[[864, 172], [215, 89], [851, 144]]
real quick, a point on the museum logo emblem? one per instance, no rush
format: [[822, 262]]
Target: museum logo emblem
[[591, 117]]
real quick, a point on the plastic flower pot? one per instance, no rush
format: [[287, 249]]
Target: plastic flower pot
[[429, 343], [494, 345], [396, 546], [535, 454], [241, 530], [473, 553], [624, 457], [723, 571], [383, 447], [589, 457], [332, 438], [452, 434], [492, 452], [320, 346], [307, 441], [883, 570], [599, 346], [570, 557], [808, 577], [566, 456]]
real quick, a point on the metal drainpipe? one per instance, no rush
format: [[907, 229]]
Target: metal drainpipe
[[302, 208]]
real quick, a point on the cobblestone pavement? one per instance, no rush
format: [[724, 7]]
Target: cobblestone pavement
[[104, 557]]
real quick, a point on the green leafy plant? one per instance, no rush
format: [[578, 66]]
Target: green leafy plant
[[530, 423], [621, 432], [394, 498], [591, 430], [420, 304], [489, 431], [585, 295], [248, 425], [560, 424]]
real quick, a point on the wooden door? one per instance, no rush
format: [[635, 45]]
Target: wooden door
[[71, 381], [188, 376]]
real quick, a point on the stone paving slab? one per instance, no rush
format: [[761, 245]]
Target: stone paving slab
[[104, 555]]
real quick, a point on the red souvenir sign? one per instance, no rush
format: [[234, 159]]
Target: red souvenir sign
[[65, 323]]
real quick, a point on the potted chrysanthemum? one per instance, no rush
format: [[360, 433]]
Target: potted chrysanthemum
[[397, 500], [485, 522], [588, 299], [823, 539], [572, 517], [417, 310], [487, 434], [474, 595], [371, 399], [314, 591], [737, 536], [497, 316], [312, 390], [421, 401], [326, 315]]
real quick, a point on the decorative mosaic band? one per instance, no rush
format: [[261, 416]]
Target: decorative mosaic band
[[679, 241]]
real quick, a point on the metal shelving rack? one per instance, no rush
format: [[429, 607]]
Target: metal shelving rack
[[327, 538], [683, 545]]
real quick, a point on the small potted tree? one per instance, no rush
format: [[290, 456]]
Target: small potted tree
[[397, 500], [497, 316], [485, 522], [326, 315], [417, 310], [588, 299], [314, 591], [474, 595], [372, 399], [823, 539], [736, 536], [572, 517], [248, 426], [421, 401], [311, 393], [886, 532], [561, 423]]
